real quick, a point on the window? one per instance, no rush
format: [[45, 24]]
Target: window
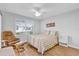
[[23, 27]]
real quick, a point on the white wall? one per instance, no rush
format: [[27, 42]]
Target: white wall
[[8, 21], [43, 25], [66, 24]]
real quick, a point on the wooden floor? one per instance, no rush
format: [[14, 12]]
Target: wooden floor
[[56, 51]]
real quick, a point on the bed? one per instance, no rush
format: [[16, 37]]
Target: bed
[[43, 42]]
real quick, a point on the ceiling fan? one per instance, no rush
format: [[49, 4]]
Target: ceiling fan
[[38, 11]]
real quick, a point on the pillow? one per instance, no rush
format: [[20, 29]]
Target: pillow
[[52, 32]]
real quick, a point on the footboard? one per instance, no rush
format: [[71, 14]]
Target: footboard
[[43, 42], [47, 43]]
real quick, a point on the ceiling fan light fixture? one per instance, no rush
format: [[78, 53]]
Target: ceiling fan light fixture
[[37, 14], [38, 11]]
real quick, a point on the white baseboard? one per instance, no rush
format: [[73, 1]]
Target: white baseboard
[[74, 46], [63, 45]]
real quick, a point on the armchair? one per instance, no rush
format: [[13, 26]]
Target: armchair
[[8, 38]]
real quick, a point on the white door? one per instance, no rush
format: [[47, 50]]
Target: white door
[[0, 31]]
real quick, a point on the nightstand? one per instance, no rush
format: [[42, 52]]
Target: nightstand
[[63, 41]]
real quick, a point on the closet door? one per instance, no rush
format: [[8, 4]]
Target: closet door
[[0, 30]]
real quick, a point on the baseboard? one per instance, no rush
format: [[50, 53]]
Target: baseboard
[[72, 46]]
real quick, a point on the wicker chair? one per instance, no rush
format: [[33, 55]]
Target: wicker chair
[[9, 38]]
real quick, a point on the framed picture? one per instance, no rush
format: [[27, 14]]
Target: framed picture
[[50, 24]]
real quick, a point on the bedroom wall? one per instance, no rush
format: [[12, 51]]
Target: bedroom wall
[[9, 20], [66, 24]]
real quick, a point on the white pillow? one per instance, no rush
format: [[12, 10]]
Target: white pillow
[[53, 32]]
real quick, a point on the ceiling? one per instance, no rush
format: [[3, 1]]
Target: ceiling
[[50, 9]]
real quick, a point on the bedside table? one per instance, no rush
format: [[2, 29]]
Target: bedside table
[[63, 41]]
